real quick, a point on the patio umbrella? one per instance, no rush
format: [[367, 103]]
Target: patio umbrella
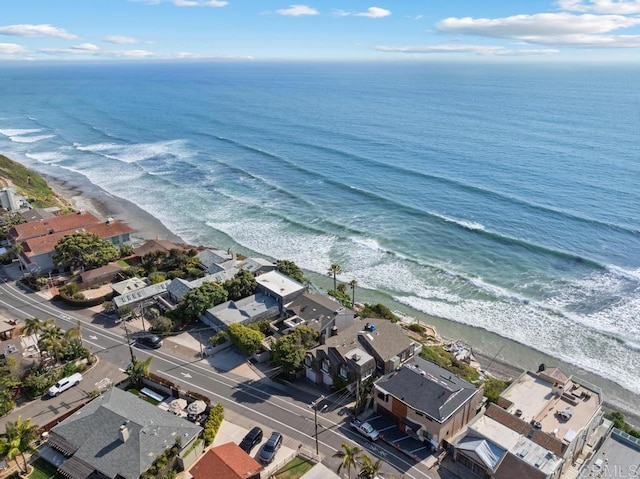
[[196, 407], [177, 405]]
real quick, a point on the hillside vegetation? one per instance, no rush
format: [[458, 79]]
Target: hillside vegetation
[[29, 184]]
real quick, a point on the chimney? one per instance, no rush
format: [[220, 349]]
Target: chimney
[[123, 433], [334, 330]]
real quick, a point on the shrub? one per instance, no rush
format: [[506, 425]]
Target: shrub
[[493, 388], [216, 416], [108, 307], [417, 328], [219, 338], [247, 340], [377, 311], [161, 324]]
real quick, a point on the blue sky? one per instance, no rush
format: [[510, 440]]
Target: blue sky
[[495, 30]]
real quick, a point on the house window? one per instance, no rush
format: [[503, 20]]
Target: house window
[[367, 374], [325, 366], [384, 397], [307, 361], [343, 372]]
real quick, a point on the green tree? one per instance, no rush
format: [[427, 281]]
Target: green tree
[[243, 284], [349, 456], [353, 283], [198, 300], [86, 250], [18, 440], [246, 339], [138, 370], [125, 250], [161, 325], [32, 326], [51, 338], [290, 269], [377, 311], [369, 468], [288, 352], [334, 270]]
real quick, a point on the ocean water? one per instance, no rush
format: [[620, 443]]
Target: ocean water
[[501, 197]]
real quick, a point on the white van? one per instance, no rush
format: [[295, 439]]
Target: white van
[[64, 384]]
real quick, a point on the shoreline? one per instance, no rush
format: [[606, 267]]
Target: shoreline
[[511, 357]]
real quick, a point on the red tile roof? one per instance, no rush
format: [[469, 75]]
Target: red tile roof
[[47, 243], [227, 461], [52, 225]]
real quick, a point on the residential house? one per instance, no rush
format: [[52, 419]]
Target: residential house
[[619, 456], [37, 252], [357, 352], [542, 423], [279, 286], [319, 312], [180, 287], [128, 285], [227, 461], [157, 245], [11, 201], [154, 292], [37, 214], [216, 260], [117, 436], [243, 311], [97, 276], [257, 266], [47, 226], [427, 401]]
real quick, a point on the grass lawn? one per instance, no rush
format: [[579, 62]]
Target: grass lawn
[[294, 468], [42, 470], [143, 396]]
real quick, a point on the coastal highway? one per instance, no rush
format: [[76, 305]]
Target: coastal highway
[[246, 403]]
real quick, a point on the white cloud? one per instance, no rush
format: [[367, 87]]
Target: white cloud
[[297, 11], [371, 12], [86, 48], [120, 39], [41, 30], [540, 24], [485, 50], [11, 49], [620, 7], [187, 3]]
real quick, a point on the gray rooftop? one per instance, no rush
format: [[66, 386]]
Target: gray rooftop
[[620, 452], [213, 256], [141, 294], [386, 341], [428, 388], [94, 434], [243, 309], [179, 287]]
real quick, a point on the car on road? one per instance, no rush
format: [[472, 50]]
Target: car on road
[[64, 384], [366, 429], [150, 340], [270, 448], [252, 438]]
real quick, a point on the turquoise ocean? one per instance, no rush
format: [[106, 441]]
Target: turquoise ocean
[[502, 197]]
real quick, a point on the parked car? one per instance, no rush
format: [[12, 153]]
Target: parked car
[[64, 384], [252, 438], [150, 340], [270, 448]]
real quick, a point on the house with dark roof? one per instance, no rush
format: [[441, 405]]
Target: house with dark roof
[[216, 260], [226, 461], [319, 312], [157, 245], [257, 266], [359, 350], [117, 436], [427, 401], [179, 287], [104, 274]]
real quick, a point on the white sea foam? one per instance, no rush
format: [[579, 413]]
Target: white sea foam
[[47, 156], [137, 152], [19, 132], [30, 139], [556, 336], [470, 225]]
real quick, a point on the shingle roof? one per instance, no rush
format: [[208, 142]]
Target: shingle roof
[[94, 431], [386, 341], [428, 388], [213, 256], [47, 243], [151, 246], [310, 306], [227, 461], [100, 272], [55, 225], [512, 467]]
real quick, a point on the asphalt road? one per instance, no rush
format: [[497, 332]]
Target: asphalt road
[[246, 403]]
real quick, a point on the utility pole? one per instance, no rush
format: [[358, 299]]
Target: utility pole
[[314, 405], [126, 331]]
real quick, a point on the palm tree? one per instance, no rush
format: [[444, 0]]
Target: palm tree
[[349, 456], [334, 270], [51, 338], [32, 326], [353, 283], [368, 467], [17, 441], [138, 369]]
